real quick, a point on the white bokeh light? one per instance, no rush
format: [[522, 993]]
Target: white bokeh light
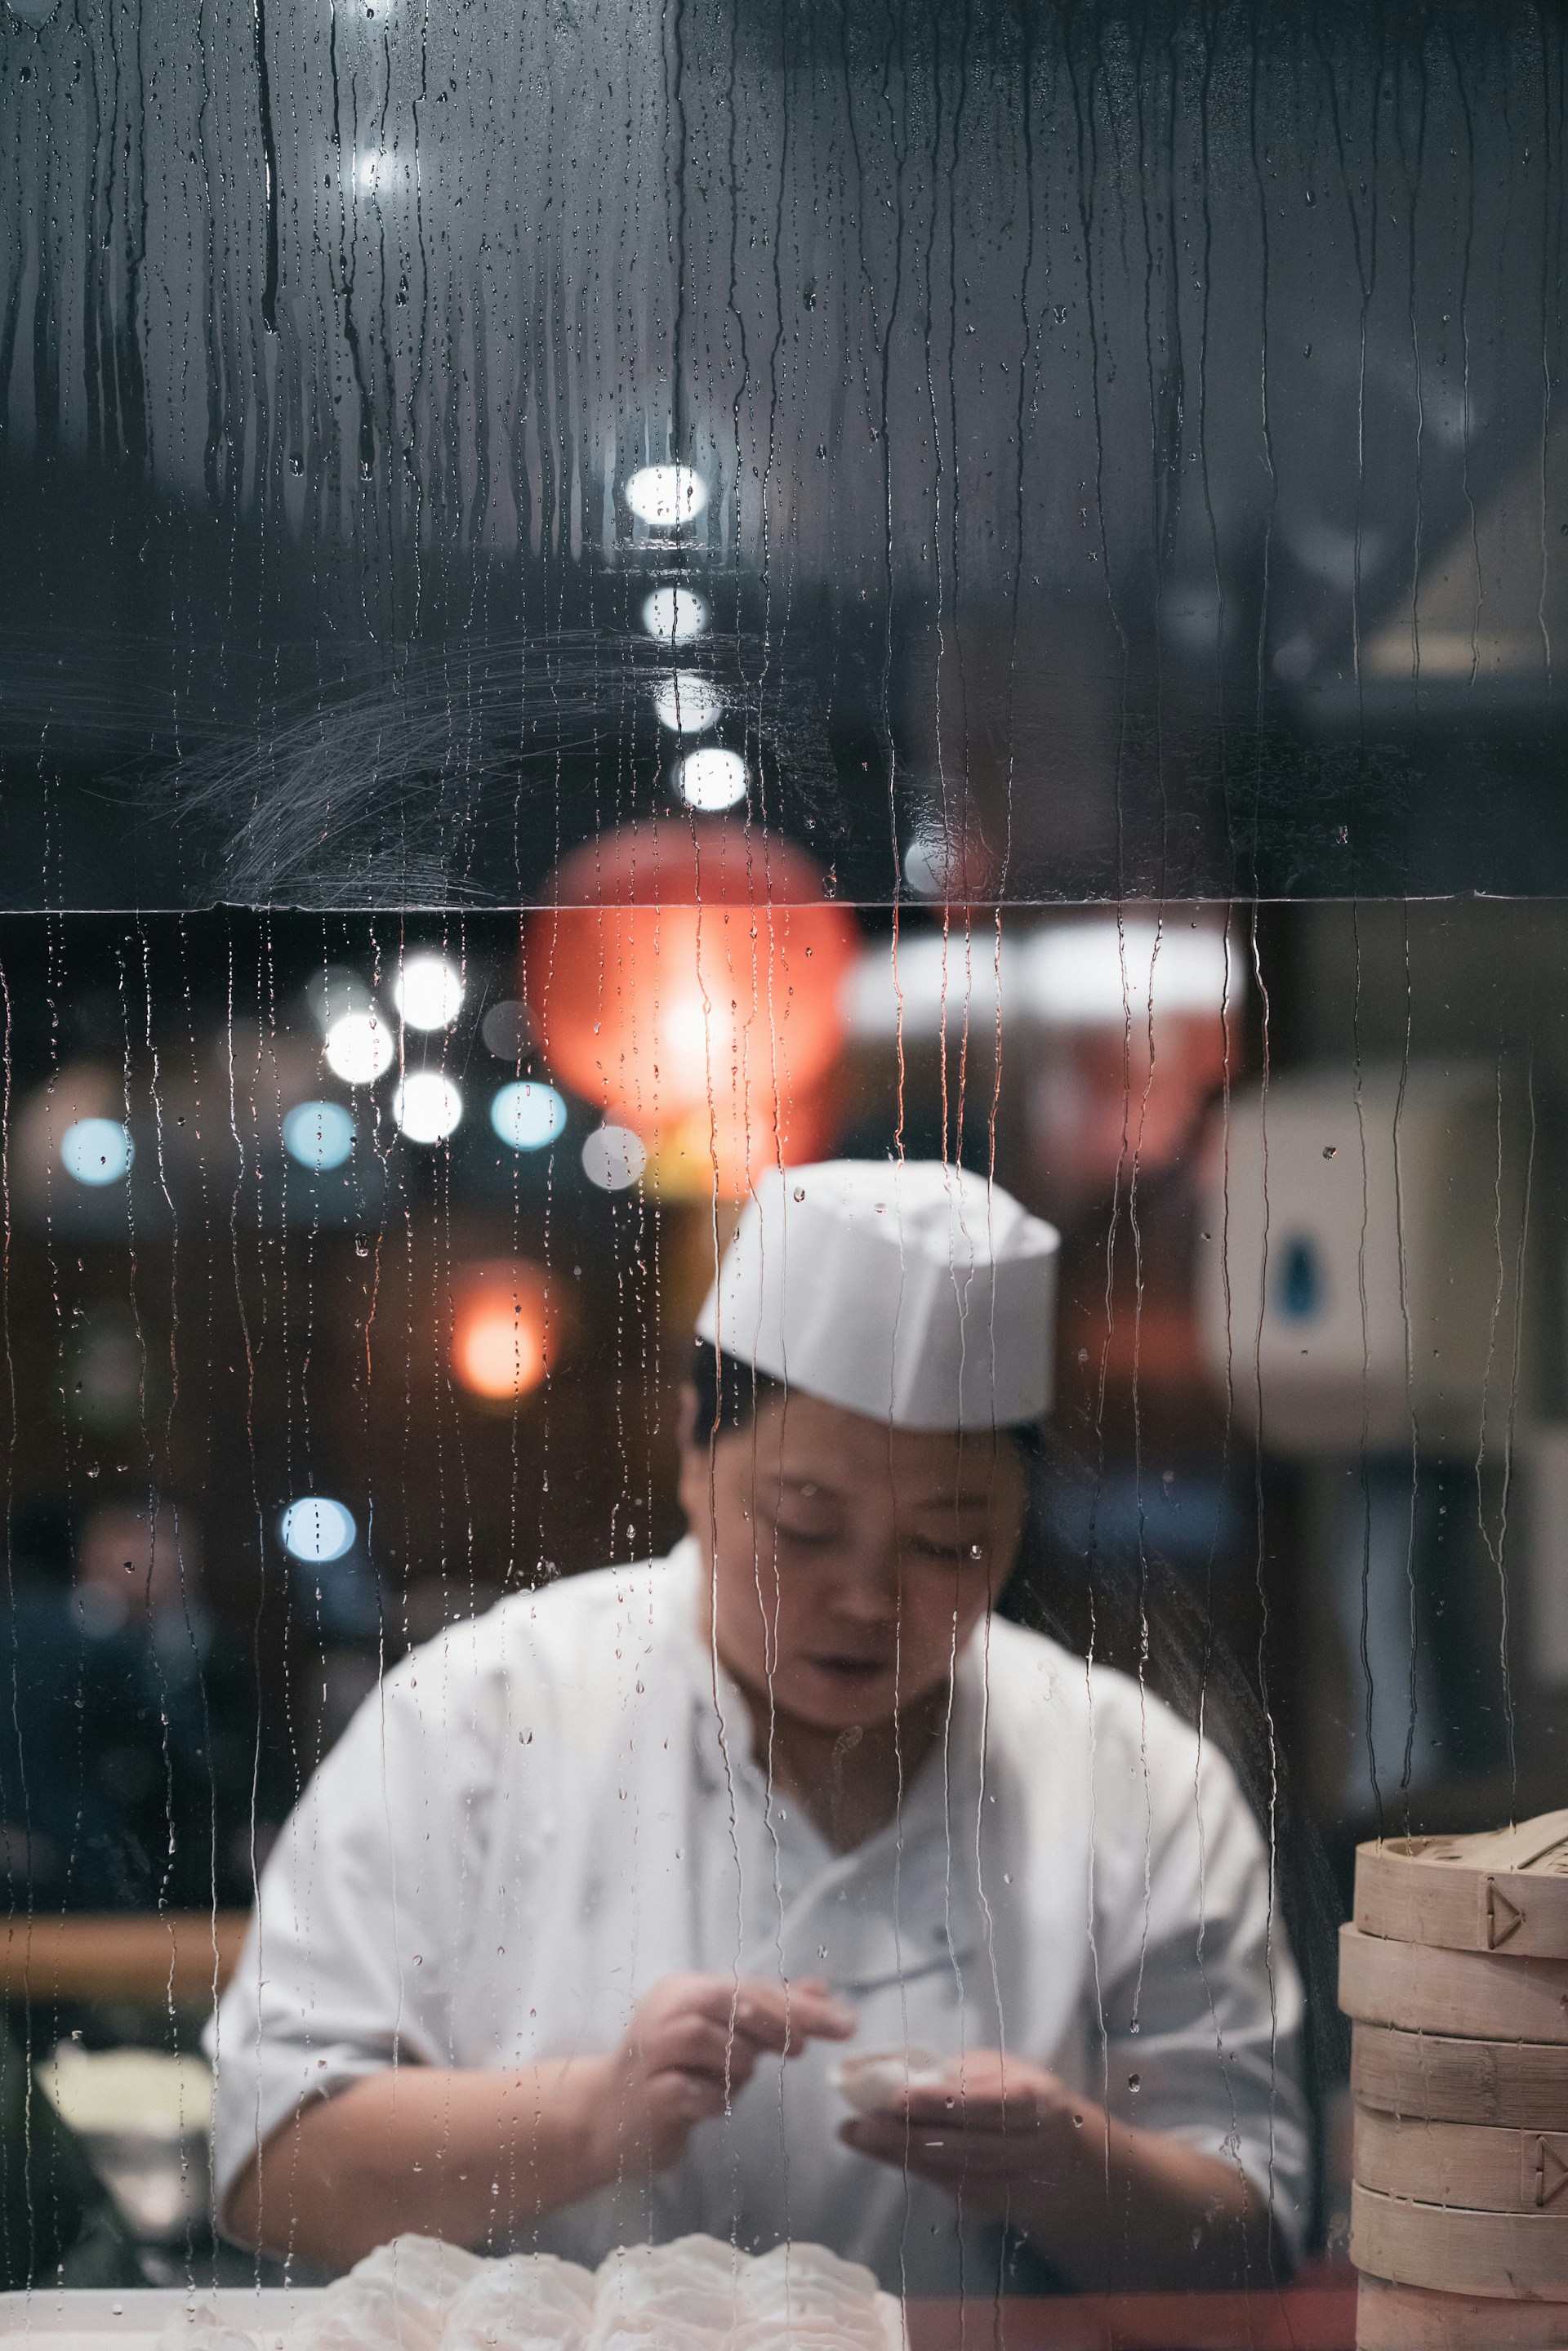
[[359, 1047], [667, 497], [711, 779], [687, 705], [428, 991], [427, 1105], [613, 1158], [925, 864], [381, 172], [1104, 974], [317, 1530], [675, 615], [97, 1151], [318, 1135], [529, 1115]]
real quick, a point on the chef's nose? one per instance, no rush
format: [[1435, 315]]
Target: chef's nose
[[868, 1591]]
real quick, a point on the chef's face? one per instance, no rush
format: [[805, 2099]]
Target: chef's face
[[848, 1561]]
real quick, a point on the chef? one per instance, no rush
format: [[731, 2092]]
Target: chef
[[580, 1932]]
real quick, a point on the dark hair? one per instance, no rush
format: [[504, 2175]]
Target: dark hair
[[730, 1392]]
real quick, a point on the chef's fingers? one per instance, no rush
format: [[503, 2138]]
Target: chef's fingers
[[699, 2045], [780, 2017], [816, 2015], [969, 2109], [678, 2096]]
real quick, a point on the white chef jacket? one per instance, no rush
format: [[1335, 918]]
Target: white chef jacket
[[541, 1813]]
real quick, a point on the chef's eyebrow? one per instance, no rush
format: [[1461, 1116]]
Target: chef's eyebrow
[[813, 1487]]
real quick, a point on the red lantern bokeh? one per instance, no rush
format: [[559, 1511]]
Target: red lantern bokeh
[[688, 977], [503, 1329]]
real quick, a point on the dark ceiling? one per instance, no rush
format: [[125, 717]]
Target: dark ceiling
[[1127, 432]]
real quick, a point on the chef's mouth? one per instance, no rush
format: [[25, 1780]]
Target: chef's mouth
[[852, 1669]]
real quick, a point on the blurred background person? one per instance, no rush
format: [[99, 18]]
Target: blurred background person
[[137, 1771]]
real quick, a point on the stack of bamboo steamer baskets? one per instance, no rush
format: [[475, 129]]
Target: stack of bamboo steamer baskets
[[1455, 1974]]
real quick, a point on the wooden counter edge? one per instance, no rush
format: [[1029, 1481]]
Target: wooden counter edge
[[153, 1956]]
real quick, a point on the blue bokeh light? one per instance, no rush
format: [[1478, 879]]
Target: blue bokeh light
[[318, 1135], [97, 1151], [528, 1114], [317, 1530]]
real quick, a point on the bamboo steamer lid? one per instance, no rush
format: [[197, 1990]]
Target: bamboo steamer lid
[[1504, 1890], [1471, 2164], [1411, 2318], [1522, 2255], [1434, 2077], [1473, 1995]]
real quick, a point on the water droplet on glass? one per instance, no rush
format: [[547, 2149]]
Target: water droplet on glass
[[1135, 2083]]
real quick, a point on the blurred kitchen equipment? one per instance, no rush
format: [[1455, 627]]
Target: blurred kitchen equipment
[[1362, 1272], [143, 2117]]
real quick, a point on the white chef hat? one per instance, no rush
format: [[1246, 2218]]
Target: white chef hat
[[912, 1291]]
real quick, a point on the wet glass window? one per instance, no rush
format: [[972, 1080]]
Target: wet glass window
[[783, 1054]]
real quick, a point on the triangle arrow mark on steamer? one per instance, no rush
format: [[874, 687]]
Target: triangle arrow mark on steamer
[[1504, 1918], [1551, 2169]]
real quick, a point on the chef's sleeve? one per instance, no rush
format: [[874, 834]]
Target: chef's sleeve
[[1200, 2000], [360, 1911]]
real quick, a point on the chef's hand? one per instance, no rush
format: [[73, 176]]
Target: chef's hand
[[692, 2042], [1106, 2204], [993, 2131]]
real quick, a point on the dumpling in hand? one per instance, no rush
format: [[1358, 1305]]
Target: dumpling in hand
[[873, 2079]]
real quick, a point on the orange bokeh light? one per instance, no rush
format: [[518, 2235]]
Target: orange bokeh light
[[503, 1329], [688, 979]]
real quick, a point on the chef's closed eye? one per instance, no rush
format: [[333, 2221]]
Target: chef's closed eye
[[969, 1547], [953, 1528], [806, 1535]]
